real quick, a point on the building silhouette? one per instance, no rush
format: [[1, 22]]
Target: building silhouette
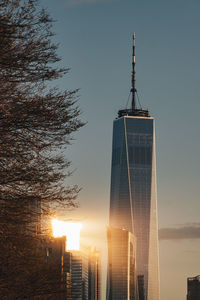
[[193, 288], [133, 202], [56, 267]]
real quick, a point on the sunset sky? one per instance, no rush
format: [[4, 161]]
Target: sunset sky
[[95, 40]]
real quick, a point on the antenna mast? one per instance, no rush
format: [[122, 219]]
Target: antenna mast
[[133, 88], [133, 111]]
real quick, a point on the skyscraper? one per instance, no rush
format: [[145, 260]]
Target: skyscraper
[[133, 202]]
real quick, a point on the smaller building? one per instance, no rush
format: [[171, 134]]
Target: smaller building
[[122, 281], [85, 274], [79, 276], [94, 284], [50, 269], [140, 281], [67, 274], [193, 288], [56, 274]]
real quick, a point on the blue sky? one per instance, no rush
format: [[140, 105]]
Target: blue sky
[[95, 40]]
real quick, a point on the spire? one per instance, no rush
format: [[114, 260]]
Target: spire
[[133, 88], [133, 111]]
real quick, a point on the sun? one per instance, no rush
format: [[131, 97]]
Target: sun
[[69, 229]]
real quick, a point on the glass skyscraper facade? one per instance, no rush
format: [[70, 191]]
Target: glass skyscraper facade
[[122, 271], [133, 202], [85, 274]]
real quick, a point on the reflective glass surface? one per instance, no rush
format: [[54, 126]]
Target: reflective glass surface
[[133, 203]]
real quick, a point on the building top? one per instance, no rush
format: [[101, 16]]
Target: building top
[[196, 278], [133, 111]]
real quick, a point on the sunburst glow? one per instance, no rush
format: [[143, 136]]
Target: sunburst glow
[[69, 229]]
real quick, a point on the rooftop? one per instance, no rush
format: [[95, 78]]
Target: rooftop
[[133, 112]]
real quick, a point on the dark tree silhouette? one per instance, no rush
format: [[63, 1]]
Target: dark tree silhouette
[[36, 123]]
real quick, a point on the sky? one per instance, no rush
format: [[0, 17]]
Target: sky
[[95, 42]]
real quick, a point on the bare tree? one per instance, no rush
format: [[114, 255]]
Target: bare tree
[[36, 122]]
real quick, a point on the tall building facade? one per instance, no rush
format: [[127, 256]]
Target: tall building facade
[[94, 278], [85, 274], [79, 276], [193, 288], [133, 202], [122, 265]]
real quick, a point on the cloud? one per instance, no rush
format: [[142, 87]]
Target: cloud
[[182, 232]]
